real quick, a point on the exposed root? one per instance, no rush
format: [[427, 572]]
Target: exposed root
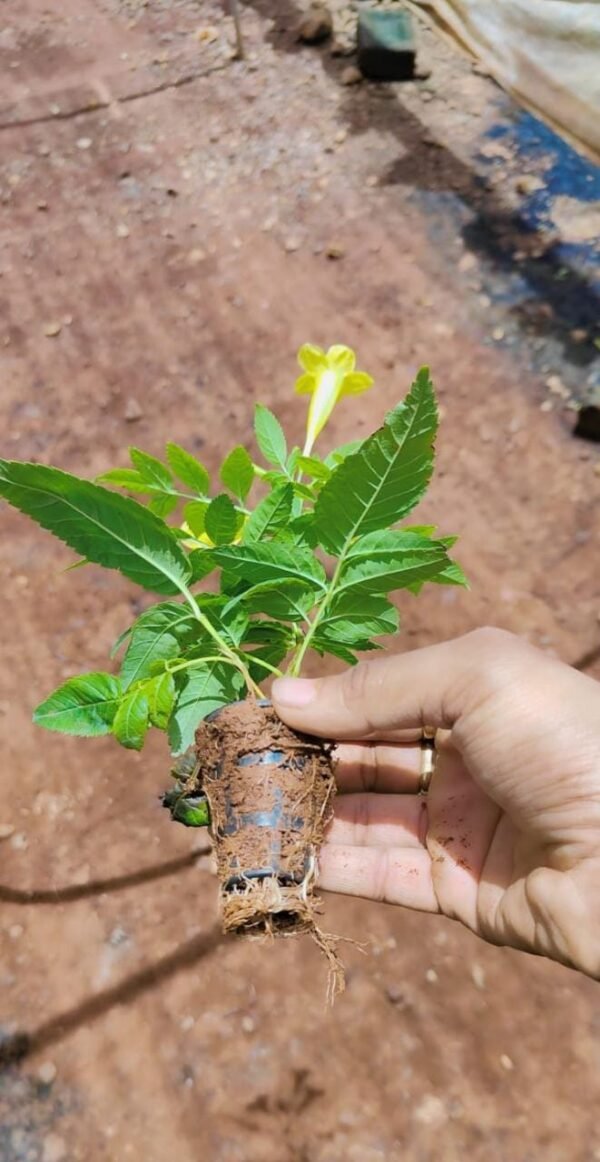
[[270, 792]]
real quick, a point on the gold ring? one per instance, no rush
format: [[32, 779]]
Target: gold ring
[[427, 744]]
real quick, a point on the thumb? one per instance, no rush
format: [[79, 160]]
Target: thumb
[[379, 698]]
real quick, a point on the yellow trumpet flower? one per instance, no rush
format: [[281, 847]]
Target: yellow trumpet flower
[[327, 377]]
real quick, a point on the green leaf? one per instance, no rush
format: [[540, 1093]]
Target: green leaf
[[188, 469], [201, 689], [451, 575], [120, 640], [338, 455], [269, 436], [382, 561], [85, 705], [313, 467], [194, 515], [158, 635], [191, 810], [286, 599], [303, 490], [107, 528], [355, 616], [201, 562], [325, 645], [151, 469], [164, 504], [273, 513], [220, 521], [160, 692], [124, 478], [271, 562], [383, 481], [131, 721], [237, 472]]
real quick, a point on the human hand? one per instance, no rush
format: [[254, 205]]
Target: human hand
[[507, 840]]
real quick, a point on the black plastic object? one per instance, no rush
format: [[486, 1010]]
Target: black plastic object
[[387, 48]]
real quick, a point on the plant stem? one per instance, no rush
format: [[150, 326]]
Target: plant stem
[[294, 668], [267, 665], [228, 654]]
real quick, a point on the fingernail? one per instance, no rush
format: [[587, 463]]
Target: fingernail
[[293, 692]]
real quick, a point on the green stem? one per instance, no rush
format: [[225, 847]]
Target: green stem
[[294, 668], [227, 652], [267, 665], [199, 662]]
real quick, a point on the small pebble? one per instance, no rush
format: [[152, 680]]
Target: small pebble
[[506, 1062], [133, 411], [51, 330], [122, 230], [555, 384], [547, 406], [334, 251], [16, 931], [19, 842], [316, 26], [248, 1024], [6, 830], [498, 334], [46, 1073], [431, 976], [351, 75], [83, 142], [291, 245]]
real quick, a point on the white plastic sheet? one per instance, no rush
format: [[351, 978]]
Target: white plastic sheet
[[546, 52]]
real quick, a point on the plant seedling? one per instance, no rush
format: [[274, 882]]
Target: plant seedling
[[246, 591]]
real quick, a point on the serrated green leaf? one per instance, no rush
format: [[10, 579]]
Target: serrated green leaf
[[220, 521], [106, 528], [355, 616], [194, 514], [273, 513], [292, 461], [383, 561], [267, 561], [237, 472], [201, 563], [421, 530], [131, 721], [380, 483], [151, 469], [324, 645], [163, 504], [451, 575], [200, 690], [303, 490], [270, 436], [120, 640], [160, 692], [314, 467], [124, 478], [188, 469], [85, 705], [159, 634], [338, 455], [286, 599]]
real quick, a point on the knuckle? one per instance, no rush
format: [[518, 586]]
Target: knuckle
[[497, 660]]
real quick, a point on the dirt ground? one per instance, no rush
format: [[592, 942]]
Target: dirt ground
[[162, 256]]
